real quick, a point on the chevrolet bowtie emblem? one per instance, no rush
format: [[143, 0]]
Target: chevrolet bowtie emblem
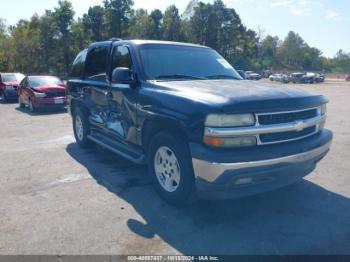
[[299, 125]]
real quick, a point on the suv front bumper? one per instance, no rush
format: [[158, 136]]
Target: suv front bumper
[[248, 171]]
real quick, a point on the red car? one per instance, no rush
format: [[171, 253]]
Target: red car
[[8, 85], [347, 78], [41, 91]]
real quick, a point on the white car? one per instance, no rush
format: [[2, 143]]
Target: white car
[[279, 77]]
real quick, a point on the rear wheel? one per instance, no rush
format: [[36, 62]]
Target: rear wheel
[[169, 163], [32, 108], [20, 104], [3, 97], [81, 128]]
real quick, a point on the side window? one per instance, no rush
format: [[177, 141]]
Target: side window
[[96, 64], [26, 83], [121, 57], [78, 65], [23, 82]]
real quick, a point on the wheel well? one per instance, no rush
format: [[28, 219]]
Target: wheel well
[[154, 126], [75, 104]]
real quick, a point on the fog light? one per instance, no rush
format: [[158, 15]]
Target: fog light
[[245, 180]]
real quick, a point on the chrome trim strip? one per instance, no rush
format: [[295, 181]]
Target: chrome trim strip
[[286, 112], [264, 129], [211, 171], [287, 140]]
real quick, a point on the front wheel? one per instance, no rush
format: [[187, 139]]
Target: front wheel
[[170, 166], [81, 128]]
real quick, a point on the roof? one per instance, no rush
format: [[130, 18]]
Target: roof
[[144, 42]]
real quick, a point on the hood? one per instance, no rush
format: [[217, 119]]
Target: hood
[[237, 95], [50, 89]]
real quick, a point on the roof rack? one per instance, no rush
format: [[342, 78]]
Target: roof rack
[[114, 39]]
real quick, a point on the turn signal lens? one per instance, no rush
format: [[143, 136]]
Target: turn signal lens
[[213, 141], [230, 142]]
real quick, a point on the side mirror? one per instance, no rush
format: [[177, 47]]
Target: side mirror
[[122, 75]]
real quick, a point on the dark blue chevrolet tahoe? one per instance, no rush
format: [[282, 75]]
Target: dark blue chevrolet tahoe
[[184, 110]]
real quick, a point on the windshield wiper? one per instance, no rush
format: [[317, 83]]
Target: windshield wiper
[[222, 77], [178, 76]]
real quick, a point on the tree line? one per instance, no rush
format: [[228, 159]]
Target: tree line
[[49, 43]]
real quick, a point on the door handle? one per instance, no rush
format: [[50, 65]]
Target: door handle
[[109, 95]]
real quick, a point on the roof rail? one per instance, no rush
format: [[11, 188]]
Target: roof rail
[[114, 39]]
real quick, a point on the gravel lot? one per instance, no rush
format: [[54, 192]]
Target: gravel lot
[[58, 199]]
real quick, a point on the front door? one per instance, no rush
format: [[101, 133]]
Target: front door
[[122, 99]]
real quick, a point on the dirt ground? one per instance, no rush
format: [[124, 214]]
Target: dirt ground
[[58, 199]]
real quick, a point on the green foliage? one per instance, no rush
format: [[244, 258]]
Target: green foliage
[[49, 43], [93, 23], [3, 46], [172, 30], [118, 13]]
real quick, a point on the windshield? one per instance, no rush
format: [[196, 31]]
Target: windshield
[[184, 62], [12, 77], [44, 81]]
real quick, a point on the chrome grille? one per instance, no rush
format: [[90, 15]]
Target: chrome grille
[[279, 118], [271, 119], [268, 138]]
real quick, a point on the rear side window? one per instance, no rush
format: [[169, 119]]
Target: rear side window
[[78, 65], [96, 63]]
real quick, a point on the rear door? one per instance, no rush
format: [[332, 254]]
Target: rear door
[[123, 98]]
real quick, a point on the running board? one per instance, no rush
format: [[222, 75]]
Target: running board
[[118, 148]]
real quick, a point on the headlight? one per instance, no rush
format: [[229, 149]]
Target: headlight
[[230, 141], [39, 95], [234, 120]]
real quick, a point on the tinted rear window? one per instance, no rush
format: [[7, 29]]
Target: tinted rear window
[[79, 65]]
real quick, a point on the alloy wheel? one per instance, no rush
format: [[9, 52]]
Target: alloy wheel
[[167, 169], [79, 129]]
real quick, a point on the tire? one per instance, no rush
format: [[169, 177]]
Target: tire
[[169, 163], [81, 128], [3, 97], [20, 104], [31, 106]]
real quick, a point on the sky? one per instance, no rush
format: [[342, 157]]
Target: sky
[[324, 24]]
